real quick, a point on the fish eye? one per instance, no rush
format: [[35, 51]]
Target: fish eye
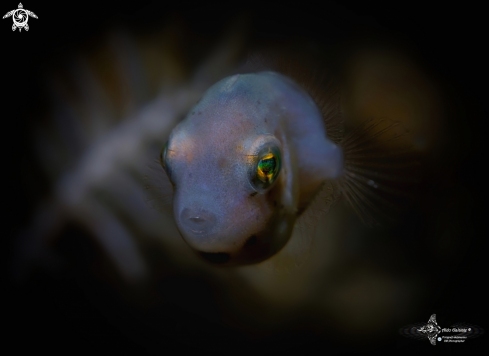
[[266, 169], [163, 157]]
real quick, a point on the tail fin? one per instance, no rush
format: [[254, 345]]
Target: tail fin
[[380, 170]]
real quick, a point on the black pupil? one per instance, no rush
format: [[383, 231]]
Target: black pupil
[[267, 165]]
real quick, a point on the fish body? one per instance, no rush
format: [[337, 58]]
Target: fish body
[[222, 207]]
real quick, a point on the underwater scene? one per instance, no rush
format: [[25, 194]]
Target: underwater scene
[[239, 180]]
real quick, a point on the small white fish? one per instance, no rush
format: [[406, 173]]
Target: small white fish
[[253, 154]]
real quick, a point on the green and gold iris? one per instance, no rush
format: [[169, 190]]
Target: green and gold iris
[[266, 168]]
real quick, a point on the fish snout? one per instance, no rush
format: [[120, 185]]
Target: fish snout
[[197, 227], [221, 242]]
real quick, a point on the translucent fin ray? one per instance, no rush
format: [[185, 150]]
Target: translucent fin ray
[[380, 170]]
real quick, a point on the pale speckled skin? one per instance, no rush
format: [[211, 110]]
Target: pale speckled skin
[[209, 153]]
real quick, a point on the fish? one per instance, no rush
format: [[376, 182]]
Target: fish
[[250, 158]]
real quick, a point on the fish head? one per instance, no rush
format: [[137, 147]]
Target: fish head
[[235, 197], [245, 163]]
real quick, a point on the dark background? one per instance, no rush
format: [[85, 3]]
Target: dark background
[[449, 39]]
